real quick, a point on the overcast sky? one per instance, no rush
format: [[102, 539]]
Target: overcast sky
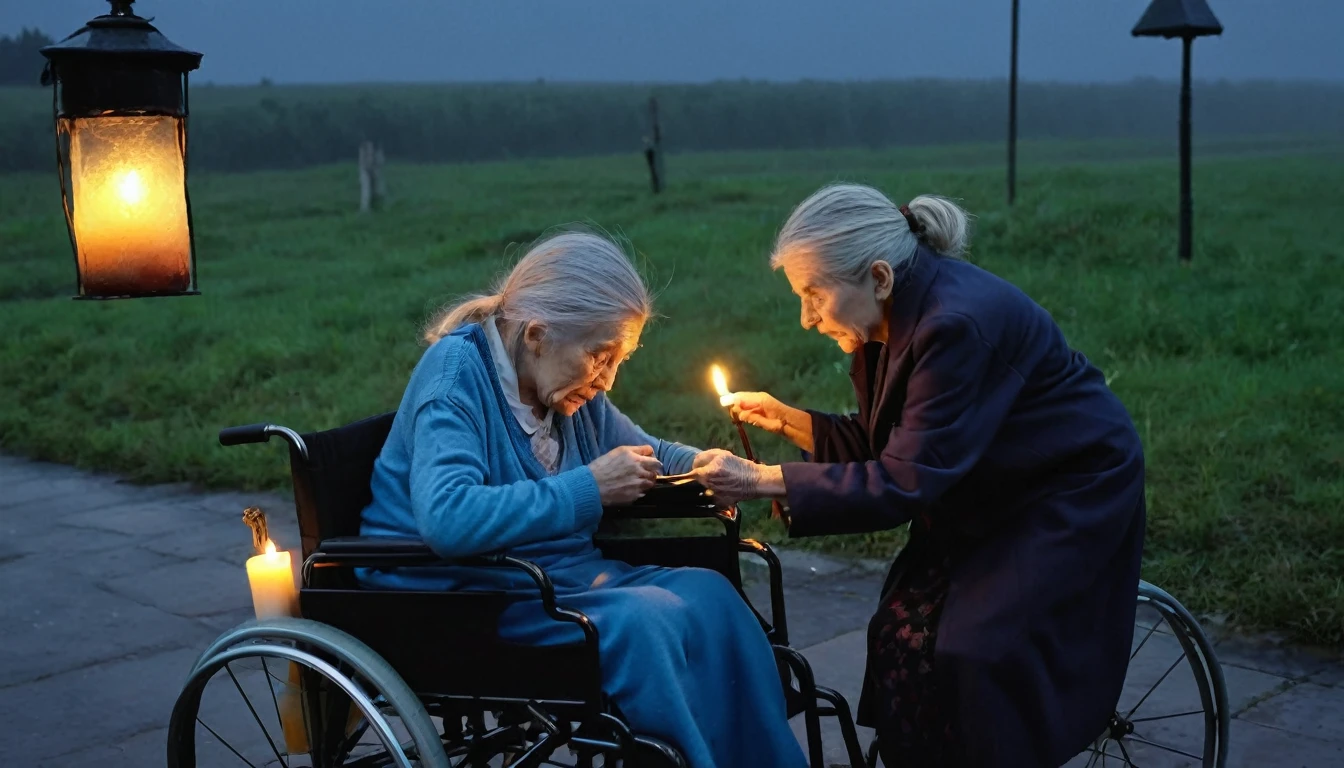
[[307, 41]]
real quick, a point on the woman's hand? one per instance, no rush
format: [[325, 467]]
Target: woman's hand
[[763, 411], [733, 479], [624, 474]]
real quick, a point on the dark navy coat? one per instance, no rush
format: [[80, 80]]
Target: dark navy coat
[[1007, 452]]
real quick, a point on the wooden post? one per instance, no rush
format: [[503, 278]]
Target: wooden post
[[372, 187], [1187, 204], [653, 148], [1012, 113]]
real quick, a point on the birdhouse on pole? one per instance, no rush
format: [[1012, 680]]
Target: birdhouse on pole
[[1186, 19]]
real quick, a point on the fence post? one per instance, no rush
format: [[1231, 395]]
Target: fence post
[[653, 148], [372, 187]]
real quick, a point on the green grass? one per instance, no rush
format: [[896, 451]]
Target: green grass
[[1231, 367]]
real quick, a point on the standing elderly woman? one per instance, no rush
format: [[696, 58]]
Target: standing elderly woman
[[1003, 632], [505, 441]]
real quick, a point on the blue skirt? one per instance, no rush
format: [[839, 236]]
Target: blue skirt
[[683, 658]]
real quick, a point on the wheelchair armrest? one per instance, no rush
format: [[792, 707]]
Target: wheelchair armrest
[[638, 511], [375, 545], [398, 552]]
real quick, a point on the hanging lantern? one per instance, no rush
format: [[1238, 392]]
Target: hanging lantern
[[120, 102]]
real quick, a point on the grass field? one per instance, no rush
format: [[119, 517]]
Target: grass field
[[1232, 367]]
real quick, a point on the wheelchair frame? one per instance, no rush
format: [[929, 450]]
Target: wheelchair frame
[[550, 687]]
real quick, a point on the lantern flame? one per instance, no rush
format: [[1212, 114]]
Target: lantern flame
[[131, 188], [721, 386], [270, 547]]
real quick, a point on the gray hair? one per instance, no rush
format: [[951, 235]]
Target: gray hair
[[842, 230], [578, 283]]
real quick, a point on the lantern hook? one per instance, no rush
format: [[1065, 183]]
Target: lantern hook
[[122, 7]]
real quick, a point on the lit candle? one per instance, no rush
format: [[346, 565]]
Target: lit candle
[[129, 207], [273, 596], [272, 582], [726, 398]]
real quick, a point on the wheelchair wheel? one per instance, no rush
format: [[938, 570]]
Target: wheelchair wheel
[[293, 692], [1188, 724]]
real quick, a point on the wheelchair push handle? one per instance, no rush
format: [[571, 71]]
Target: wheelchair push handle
[[252, 433], [260, 433]]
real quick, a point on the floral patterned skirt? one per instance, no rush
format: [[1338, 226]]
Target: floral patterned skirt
[[915, 719]]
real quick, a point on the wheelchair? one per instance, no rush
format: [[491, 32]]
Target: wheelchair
[[369, 677]]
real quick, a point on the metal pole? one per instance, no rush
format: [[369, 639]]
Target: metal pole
[[1187, 205], [1012, 113]]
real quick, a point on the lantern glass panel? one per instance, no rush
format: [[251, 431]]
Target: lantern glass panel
[[128, 207]]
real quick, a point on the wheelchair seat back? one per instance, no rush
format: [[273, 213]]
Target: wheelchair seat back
[[331, 485]]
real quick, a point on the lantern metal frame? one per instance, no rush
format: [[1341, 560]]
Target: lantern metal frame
[[120, 65]]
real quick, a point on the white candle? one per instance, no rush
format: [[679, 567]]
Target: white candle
[[272, 582], [273, 596]]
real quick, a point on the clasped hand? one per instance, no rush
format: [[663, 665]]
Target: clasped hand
[[625, 474], [732, 479]]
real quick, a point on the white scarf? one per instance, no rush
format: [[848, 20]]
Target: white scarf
[[545, 444]]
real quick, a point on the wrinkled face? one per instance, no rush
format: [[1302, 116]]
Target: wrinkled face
[[850, 313], [569, 373]]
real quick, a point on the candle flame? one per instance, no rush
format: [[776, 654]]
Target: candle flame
[[270, 547], [131, 188], [720, 381], [721, 386]]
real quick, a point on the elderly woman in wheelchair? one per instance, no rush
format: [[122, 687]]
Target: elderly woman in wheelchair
[[505, 442]]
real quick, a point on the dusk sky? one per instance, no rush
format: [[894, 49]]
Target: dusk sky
[[309, 41]]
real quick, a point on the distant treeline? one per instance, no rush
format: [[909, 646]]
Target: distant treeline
[[20, 57], [245, 128]]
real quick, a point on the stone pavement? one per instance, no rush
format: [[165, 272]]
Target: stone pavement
[[111, 590]]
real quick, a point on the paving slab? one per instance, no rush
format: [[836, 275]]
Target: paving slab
[[188, 588], [279, 508], [92, 707], [56, 540], [57, 620], [819, 607], [213, 539], [36, 518], [1257, 746], [1332, 677], [1276, 658], [40, 494], [142, 750], [14, 469], [114, 562], [144, 517], [1307, 710]]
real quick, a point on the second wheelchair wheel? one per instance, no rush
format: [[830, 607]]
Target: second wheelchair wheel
[[1173, 711], [293, 693]]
